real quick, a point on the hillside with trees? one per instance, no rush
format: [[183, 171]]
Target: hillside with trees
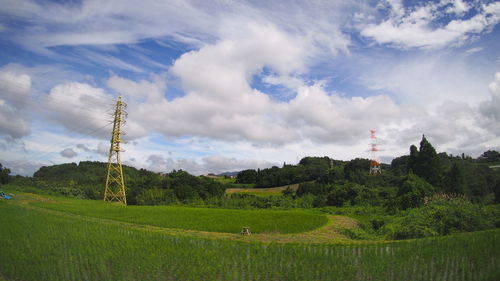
[[424, 193]]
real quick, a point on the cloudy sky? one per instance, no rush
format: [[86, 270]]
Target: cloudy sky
[[215, 86]]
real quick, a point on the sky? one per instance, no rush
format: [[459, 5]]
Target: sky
[[217, 86]]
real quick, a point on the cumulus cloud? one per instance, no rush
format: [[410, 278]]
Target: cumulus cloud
[[81, 108], [490, 110], [421, 26], [220, 103], [14, 99], [68, 153]]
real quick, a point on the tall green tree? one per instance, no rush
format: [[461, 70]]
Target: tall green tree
[[454, 180], [4, 174], [413, 159], [425, 162]]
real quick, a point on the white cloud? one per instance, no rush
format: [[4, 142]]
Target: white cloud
[[221, 104], [80, 108], [14, 99], [490, 110], [427, 80], [474, 50], [458, 7], [210, 164], [191, 22], [416, 26]]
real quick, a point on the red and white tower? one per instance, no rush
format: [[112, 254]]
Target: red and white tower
[[374, 162]]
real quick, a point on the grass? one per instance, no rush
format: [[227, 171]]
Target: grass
[[232, 182], [263, 192], [201, 219], [44, 246]]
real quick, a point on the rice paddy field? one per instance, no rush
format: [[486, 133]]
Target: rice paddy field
[[203, 219], [58, 239]]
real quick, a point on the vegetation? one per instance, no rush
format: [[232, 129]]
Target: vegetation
[[86, 180], [215, 220], [4, 175], [405, 195], [309, 168], [43, 246]]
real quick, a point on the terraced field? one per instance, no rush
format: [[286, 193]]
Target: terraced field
[[50, 238]]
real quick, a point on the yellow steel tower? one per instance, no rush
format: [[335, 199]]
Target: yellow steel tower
[[115, 186]]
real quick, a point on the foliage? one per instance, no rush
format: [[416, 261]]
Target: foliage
[[490, 156], [412, 191], [309, 168], [187, 187], [4, 174], [425, 162], [346, 193], [454, 180], [443, 216], [400, 165], [86, 180]]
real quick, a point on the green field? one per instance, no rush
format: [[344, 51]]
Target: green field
[[53, 238], [262, 192], [39, 245], [202, 219]]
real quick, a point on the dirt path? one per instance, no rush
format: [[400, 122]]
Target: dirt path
[[329, 233]]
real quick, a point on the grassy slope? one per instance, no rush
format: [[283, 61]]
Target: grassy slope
[[203, 219], [44, 246], [262, 191]]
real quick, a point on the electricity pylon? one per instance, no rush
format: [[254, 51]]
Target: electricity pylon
[[115, 185], [374, 162]]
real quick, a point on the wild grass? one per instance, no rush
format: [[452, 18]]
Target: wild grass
[[202, 219], [42, 246], [263, 192]]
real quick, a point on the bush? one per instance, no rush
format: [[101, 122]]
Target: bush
[[443, 217], [412, 191]]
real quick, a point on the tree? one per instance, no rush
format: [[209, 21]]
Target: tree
[[412, 191], [425, 162], [357, 170], [497, 191], [399, 165], [454, 181], [413, 159], [489, 156], [246, 176], [4, 175]]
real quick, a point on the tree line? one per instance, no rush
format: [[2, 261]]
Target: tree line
[[405, 183]]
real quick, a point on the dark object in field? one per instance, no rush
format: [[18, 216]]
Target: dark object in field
[[245, 230], [4, 196]]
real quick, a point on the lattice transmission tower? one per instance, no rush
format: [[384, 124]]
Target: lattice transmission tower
[[115, 185], [374, 161]]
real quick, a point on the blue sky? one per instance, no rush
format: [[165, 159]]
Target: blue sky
[[215, 86]]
